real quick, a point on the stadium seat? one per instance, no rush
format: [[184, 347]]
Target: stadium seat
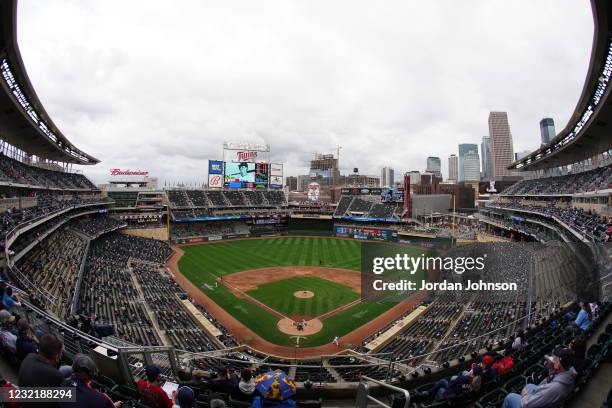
[[493, 399]]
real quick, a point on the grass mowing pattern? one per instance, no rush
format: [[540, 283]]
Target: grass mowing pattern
[[203, 264], [328, 296]]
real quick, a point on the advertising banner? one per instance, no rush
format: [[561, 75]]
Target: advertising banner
[[215, 181], [276, 175], [215, 167]]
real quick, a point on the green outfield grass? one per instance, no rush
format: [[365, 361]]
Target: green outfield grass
[[328, 296], [203, 264]]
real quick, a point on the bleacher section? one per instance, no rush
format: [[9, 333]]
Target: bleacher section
[[456, 323], [94, 226], [13, 171], [162, 295], [592, 180], [367, 206], [182, 199], [46, 204], [53, 266], [588, 225]]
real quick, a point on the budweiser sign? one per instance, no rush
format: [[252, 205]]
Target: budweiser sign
[[246, 156], [119, 172]]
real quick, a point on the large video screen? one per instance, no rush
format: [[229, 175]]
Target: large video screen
[[239, 175], [392, 195]]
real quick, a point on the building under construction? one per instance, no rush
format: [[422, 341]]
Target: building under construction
[[324, 169]]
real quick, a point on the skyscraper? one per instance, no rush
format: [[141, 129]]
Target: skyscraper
[[324, 169], [502, 150], [292, 183], [471, 166], [415, 177], [453, 168], [485, 156], [386, 177], [547, 130], [464, 149], [434, 165]]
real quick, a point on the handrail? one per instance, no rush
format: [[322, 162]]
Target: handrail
[[553, 217], [364, 398], [53, 214]]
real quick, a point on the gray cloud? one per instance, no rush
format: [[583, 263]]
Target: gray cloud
[[160, 85]]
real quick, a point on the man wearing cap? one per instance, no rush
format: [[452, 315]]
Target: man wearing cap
[[185, 397], [551, 391], [150, 390], [7, 337], [83, 371]]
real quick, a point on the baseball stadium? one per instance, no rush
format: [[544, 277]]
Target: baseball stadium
[[186, 296]]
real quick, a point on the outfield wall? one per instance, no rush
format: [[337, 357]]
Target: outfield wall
[[311, 226]]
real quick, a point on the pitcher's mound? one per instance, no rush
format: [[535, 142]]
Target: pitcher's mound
[[291, 327], [303, 294]]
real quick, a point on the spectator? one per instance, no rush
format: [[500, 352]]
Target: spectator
[[150, 389], [185, 397], [594, 310], [7, 337], [225, 382], [551, 391], [489, 373], [517, 344], [40, 370], [584, 318], [5, 386], [463, 384], [66, 371], [217, 403], [84, 370], [26, 341], [246, 385], [8, 298], [578, 346]]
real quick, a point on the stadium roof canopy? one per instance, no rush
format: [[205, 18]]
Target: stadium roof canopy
[[24, 123], [589, 130]]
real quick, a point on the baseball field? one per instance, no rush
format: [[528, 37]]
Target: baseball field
[[261, 281]]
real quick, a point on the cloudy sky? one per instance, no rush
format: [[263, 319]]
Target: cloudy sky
[[159, 85]]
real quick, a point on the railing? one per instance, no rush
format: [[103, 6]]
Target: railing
[[365, 400], [77, 287], [45, 217], [553, 217]]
